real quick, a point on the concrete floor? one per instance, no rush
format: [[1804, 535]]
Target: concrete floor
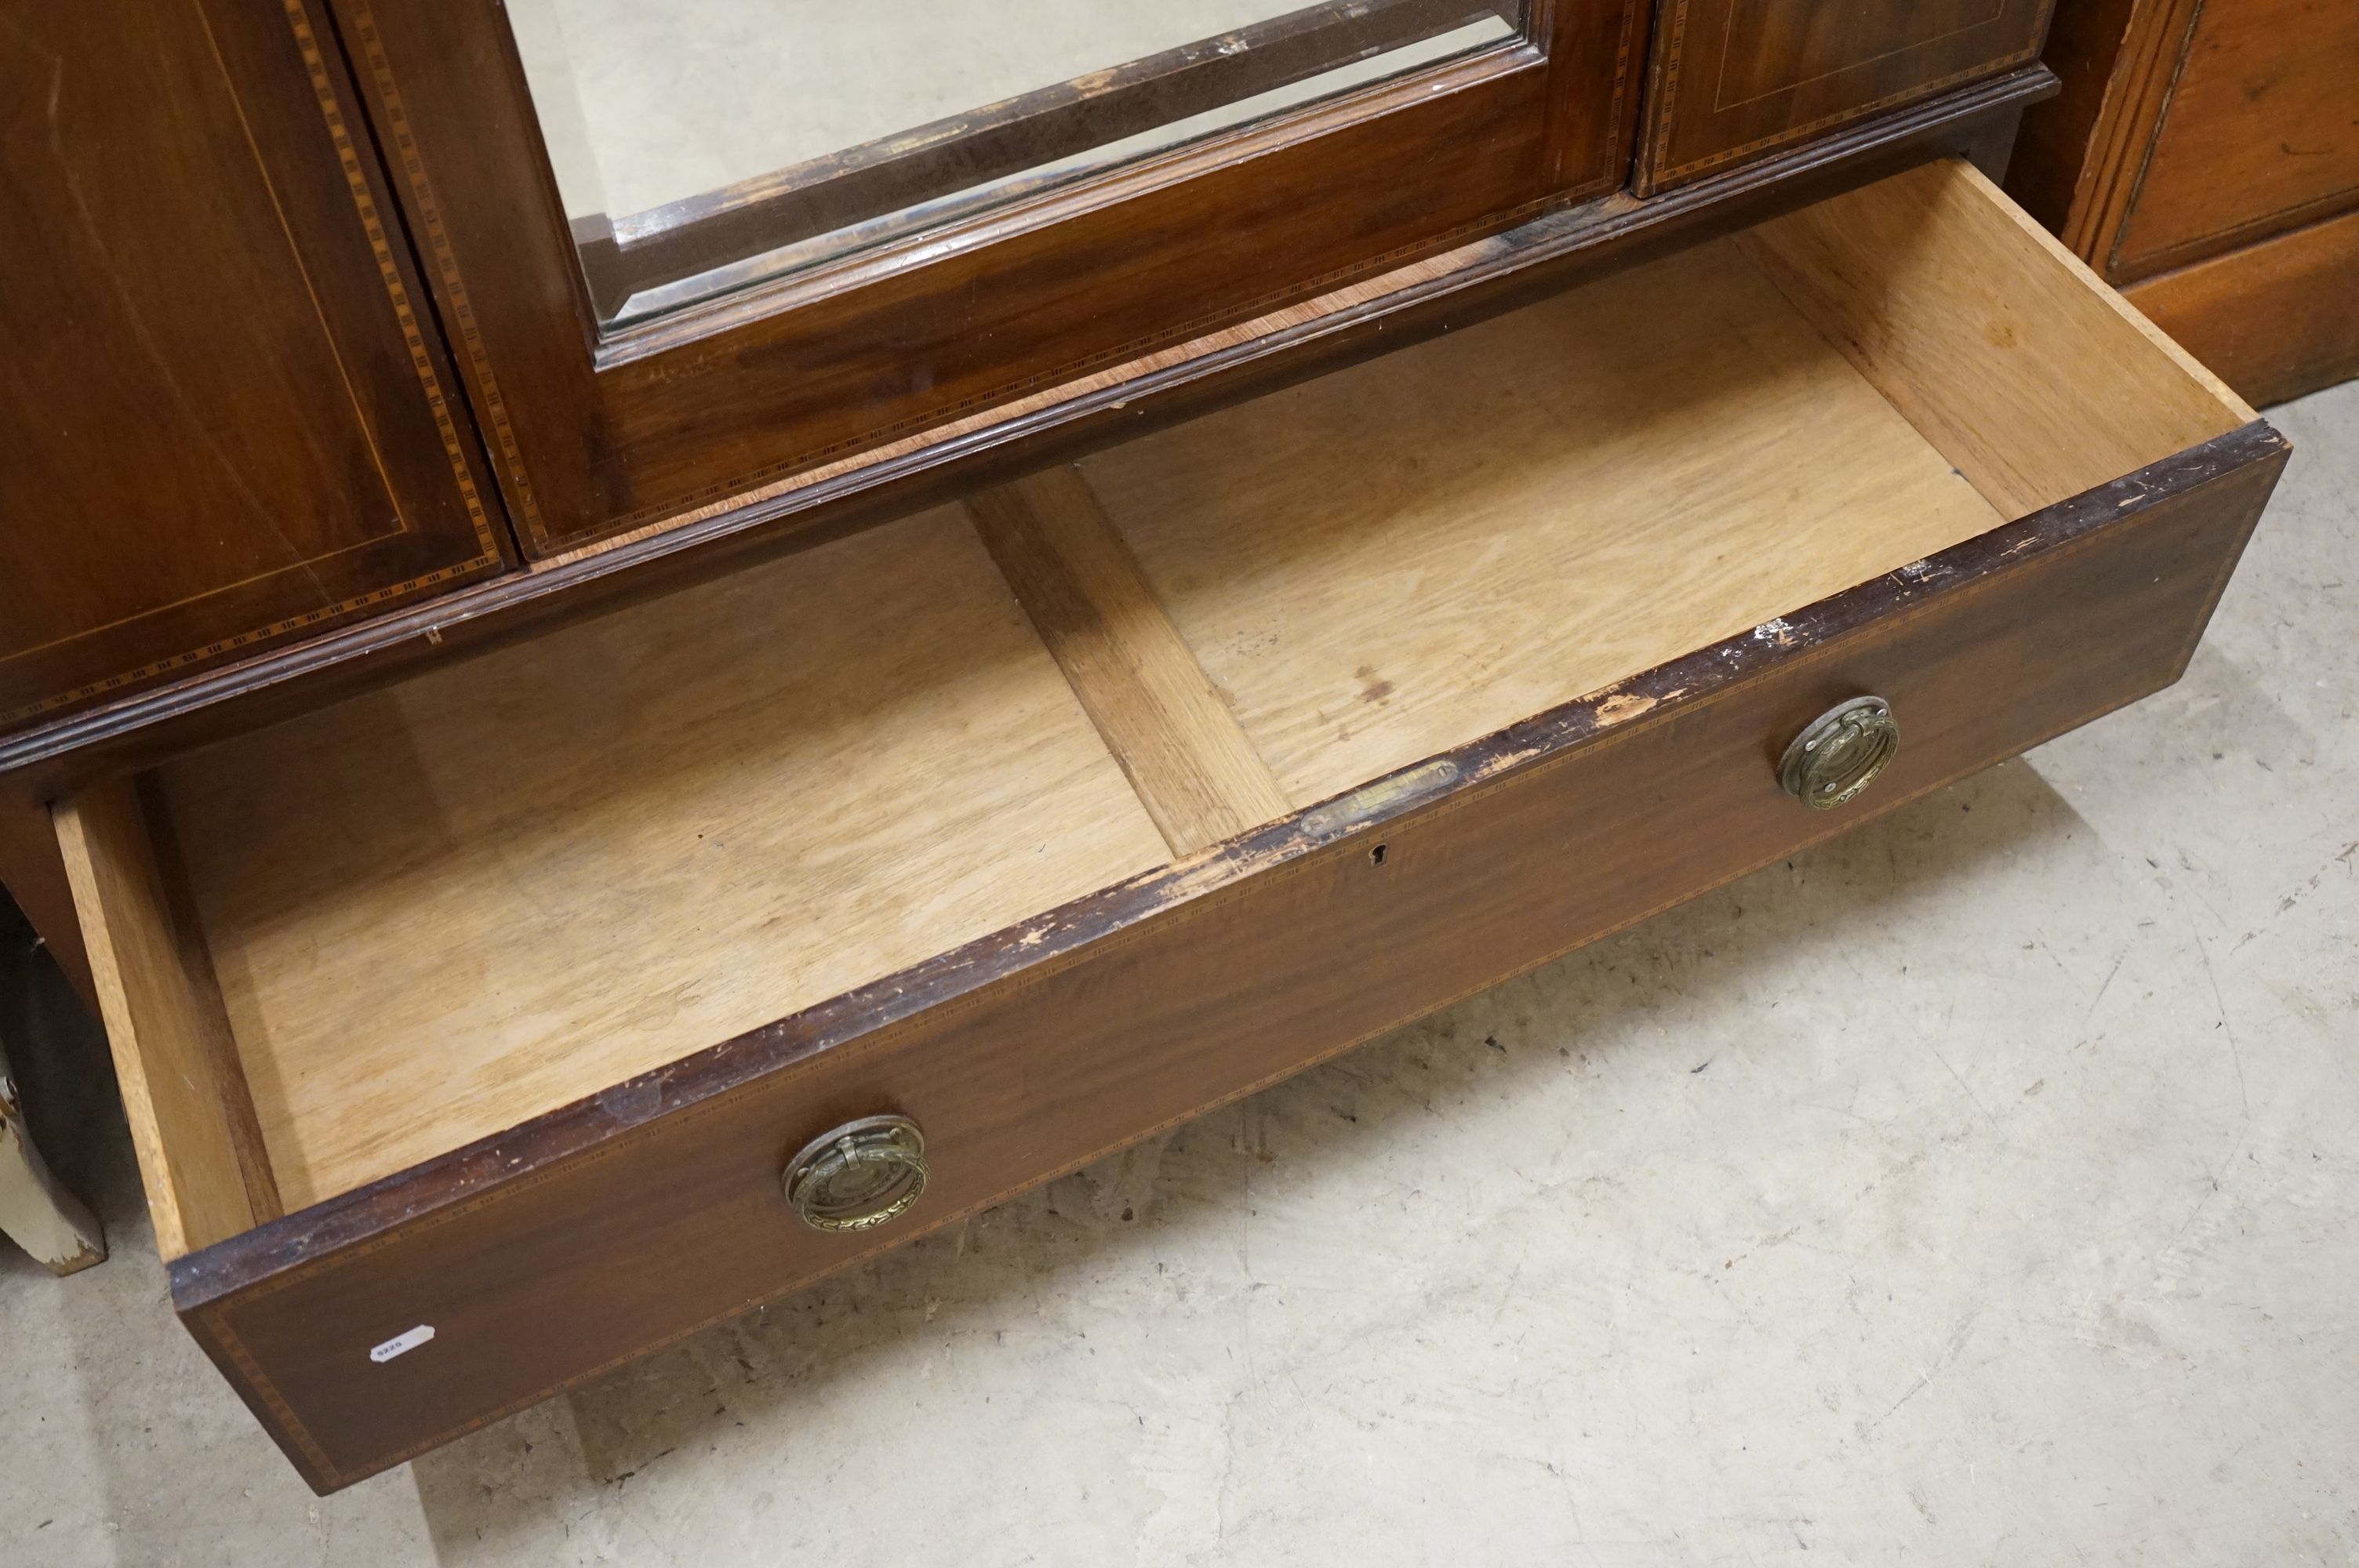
[[1980, 1188]]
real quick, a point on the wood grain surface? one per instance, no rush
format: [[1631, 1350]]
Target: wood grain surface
[[1195, 773], [597, 440], [1729, 79], [2260, 134], [517, 859], [226, 425], [2204, 157], [1394, 560], [518, 882], [633, 911], [2028, 374], [2053, 154], [1053, 423], [174, 1057]]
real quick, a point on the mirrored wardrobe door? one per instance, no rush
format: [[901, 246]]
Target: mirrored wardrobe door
[[694, 255], [701, 147]]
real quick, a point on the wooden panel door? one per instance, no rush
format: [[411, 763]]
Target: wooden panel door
[[603, 427], [1730, 80], [2251, 128], [225, 419], [2204, 156]]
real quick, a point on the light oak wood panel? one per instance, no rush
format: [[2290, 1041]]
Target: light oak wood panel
[[1403, 557], [2011, 356], [499, 888], [1195, 771], [191, 1125]]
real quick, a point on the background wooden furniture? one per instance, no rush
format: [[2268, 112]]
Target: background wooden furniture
[[2204, 157]]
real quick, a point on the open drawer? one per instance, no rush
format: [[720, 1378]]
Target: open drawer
[[468, 1028]]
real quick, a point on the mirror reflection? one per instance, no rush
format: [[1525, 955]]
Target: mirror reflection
[[700, 148]]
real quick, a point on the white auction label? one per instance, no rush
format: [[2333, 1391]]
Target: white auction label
[[409, 1340]]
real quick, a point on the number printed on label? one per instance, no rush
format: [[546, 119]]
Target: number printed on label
[[410, 1339]]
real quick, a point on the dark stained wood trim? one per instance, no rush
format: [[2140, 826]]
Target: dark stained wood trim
[[681, 412], [697, 233], [2121, 265], [1552, 253], [34, 874], [397, 144], [2266, 300], [313, 212], [2087, 149], [1580, 53], [2195, 508], [1660, 167], [2088, 46], [1312, 154], [2126, 270]]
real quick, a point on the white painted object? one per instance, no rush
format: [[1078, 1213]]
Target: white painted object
[[403, 1343], [35, 1212]]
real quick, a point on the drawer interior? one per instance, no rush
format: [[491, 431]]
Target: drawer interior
[[1403, 557], [337, 947]]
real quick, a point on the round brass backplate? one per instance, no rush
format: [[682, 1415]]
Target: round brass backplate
[[1841, 753], [859, 1175]]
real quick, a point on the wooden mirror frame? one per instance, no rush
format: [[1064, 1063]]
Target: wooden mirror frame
[[599, 438]]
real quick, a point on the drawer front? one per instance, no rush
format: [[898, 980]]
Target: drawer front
[[594, 1235], [1730, 80]]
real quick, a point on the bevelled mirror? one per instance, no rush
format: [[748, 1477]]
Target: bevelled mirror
[[700, 148]]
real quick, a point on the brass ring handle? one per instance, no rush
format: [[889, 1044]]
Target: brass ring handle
[[1841, 753], [858, 1176]]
